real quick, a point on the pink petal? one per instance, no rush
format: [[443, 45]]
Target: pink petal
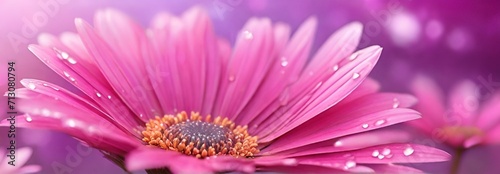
[[295, 55], [22, 156], [203, 40], [489, 116], [292, 165], [62, 95], [430, 104], [351, 142], [165, 74], [97, 90], [392, 168], [491, 136], [157, 158], [344, 125], [368, 86], [192, 80], [30, 169], [464, 100], [329, 92], [276, 79], [345, 114], [179, 75], [338, 46], [73, 42], [68, 52], [151, 158], [383, 154], [249, 63], [472, 141], [300, 168], [121, 63], [75, 120], [99, 135]]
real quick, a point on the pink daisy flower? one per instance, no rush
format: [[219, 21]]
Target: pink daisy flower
[[177, 98], [460, 122], [15, 165]]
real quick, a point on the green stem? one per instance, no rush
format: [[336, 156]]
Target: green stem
[[456, 160]]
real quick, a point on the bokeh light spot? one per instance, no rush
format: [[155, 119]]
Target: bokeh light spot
[[403, 29], [434, 29]]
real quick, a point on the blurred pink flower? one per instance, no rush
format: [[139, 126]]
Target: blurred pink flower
[[277, 113], [22, 155], [463, 121]]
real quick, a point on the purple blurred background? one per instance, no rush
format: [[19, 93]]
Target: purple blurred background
[[447, 41]]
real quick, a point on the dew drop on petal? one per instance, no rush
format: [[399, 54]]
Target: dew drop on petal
[[31, 85], [353, 56], [395, 103], [71, 60], [71, 123], [66, 73], [355, 75], [72, 79], [284, 62], [98, 94], [61, 54], [350, 164], [375, 153], [408, 151], [364, 126], [247, 34], [380, 156], [109, 97], [141, 115], [336, 67], [380, 122], [290, 162], [64, 55], [386, 151], [338, 144], [29, 119]]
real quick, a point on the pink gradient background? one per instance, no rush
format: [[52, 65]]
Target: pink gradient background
[[447, 41]]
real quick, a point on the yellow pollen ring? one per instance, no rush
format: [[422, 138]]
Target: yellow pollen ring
[[173, 133]]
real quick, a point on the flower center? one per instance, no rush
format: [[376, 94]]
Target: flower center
[[200, 137], [465, 131]]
